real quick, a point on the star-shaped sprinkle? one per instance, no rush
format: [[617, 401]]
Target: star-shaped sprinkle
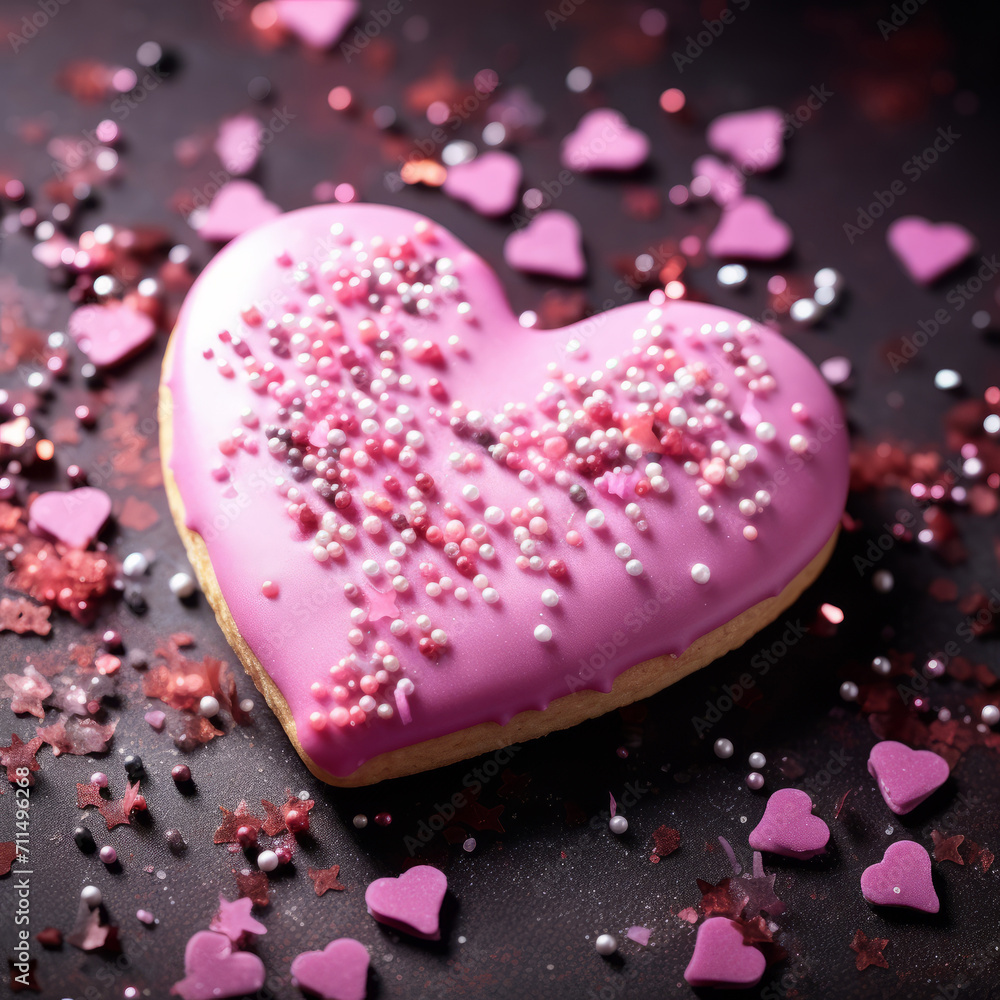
[[88, 795], [757, 933], [233, 919], [118, 812], [946, 848], [325, 879], [726, 899], [20, 755], [761, 897], [8, 852], [275, 821], [254, 886], [618, 484], [666, 840], [514, 785], [381, 605], [22, 616], [232, 821], [29, 690], [869, 951]]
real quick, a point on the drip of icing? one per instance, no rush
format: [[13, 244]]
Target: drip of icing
[[359, 351]]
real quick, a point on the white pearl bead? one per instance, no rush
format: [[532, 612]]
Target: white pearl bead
[[208, 706], [470, 492], [360, 821], [723, 748], [848, 690], [706, 514], [633, 567], [990, 715], [182, 585], [441, 637], [700, 573], [622, 550], [550, 598], [765, 431], [91, 895], [493, 515], [267, 861], [618, 825], [370, 567], [606, 944], [490, 596], [757, 760], [595, 518], [135, 564], [543, 633]]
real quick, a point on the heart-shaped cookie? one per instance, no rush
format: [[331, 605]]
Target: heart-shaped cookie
[[410, 903], [906, 777], [789, 828], [430, 532], [489, 183], [752, 139], [926, 249], [901, 878], [212, 970], [749, 230], [73, 517], [338, 972], [722, 958]]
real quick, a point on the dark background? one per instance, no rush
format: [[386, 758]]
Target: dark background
[[526, 905]]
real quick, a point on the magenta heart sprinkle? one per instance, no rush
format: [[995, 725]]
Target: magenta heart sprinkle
[[489, 183], [73, 517], [549, 244], [906, 777], [338, 972], [237, 206], [604, 140], [901, 878], [214, 971], [752, 139], [749, 230], [722, 959], [410, 903], [928, 250], [110, 333], [789, 828]]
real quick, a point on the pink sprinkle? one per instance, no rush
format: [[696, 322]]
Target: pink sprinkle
[[269, 589], [638, 934], [403, 707], [156, 719], [614, 805], [731, 854], [690, 914], [145, 916], [832, 613]]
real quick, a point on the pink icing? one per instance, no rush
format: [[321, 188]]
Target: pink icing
[[467, 356]]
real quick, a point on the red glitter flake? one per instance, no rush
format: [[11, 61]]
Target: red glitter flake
[[666, 840], [254, 886], [22, 616], [88, 795], [726, 899], [513, 785], [119, 812], [20, 755], [193, 730], [232, 821], [869, 951], [275, 821], [29, 690], [78, 736], [840, 804], [325, 879], [49, 937], [8, 852], [946, 848]]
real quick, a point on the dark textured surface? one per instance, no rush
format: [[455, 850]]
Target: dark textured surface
[[526, 905]]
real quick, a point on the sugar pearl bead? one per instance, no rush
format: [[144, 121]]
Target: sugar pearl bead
[[267, 861], [765, 431], [606, 944], [723, 748], [109, 855], [182, 585], [755, 781], [990, 715], [550, 598], [618, 825], [706, 514], [360, 821], [848, 690], [91, 895], [135, 564], [595, 518], [208, 706], [490, 595], [757, 760], [543, 633], [700, 573], [633, 567]]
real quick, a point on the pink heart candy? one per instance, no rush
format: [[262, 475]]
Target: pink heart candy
[[927, 249], [722, 959], [318, 23], [73, 517], [748, 229], [410, 903], [489, 183], [604, 140], [238, 143], [901, 878], [906, 777], [212, 969], [725, 183], [789, 828], [237, 206], [752, 139], [549, 244], [110, 333], [338, 972]]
